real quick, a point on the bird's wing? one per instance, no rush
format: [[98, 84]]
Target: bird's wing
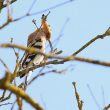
[[37, 42]]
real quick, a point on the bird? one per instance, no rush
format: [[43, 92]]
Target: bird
[[37, 40]]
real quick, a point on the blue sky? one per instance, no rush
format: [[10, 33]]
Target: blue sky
[[87, 18]]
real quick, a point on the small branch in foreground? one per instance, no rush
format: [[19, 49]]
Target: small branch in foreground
[[44, 73], [5, 85], [56, 41], [79, 101], [103, 96], [65, 59], [52, 7]]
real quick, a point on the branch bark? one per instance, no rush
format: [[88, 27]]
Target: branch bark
[[105, 34], [60, 59], [5, 85], [79, 101]]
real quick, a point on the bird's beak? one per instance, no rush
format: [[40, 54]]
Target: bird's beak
[[50, 45]]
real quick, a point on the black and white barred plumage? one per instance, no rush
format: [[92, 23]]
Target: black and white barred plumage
[[37, 40]]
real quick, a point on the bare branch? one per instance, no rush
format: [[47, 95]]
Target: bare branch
[[13, 104], [6, 104], [56, 41], [2, 99], [52, 7], [19, 102], [4, 64], [79, 101], [63, 59], [3, 95], [94, 98], [1, 5], [9, 18], [36, 13], [105, 34], [44, 73], [33, 3], [9, 11], [17, 91]]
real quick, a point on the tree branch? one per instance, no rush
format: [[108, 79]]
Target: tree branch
[[5, 85], [36, 13], [79, 101], [105, 34], [62, 59]]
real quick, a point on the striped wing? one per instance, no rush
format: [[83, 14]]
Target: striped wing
[[37, 42]]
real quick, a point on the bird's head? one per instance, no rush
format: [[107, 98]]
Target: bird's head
[[46, 27]]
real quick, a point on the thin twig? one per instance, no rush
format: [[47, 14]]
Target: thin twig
[[3, 95], [17, 62], [55, 42], [94, 98], [6, 104], [36, 13], [52, 7], [13, 104], [44, 73], [33, 3], [103, 95], [105, 34], [62, 59], [9, 17], [6, 98], [16, 54], [4, 64], [79, 101]]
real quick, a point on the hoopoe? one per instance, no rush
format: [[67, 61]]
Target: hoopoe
[[37, 40]]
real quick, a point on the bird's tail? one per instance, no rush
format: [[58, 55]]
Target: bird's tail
[[27, 77]]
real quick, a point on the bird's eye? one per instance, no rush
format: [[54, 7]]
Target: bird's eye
[[43, 16]]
